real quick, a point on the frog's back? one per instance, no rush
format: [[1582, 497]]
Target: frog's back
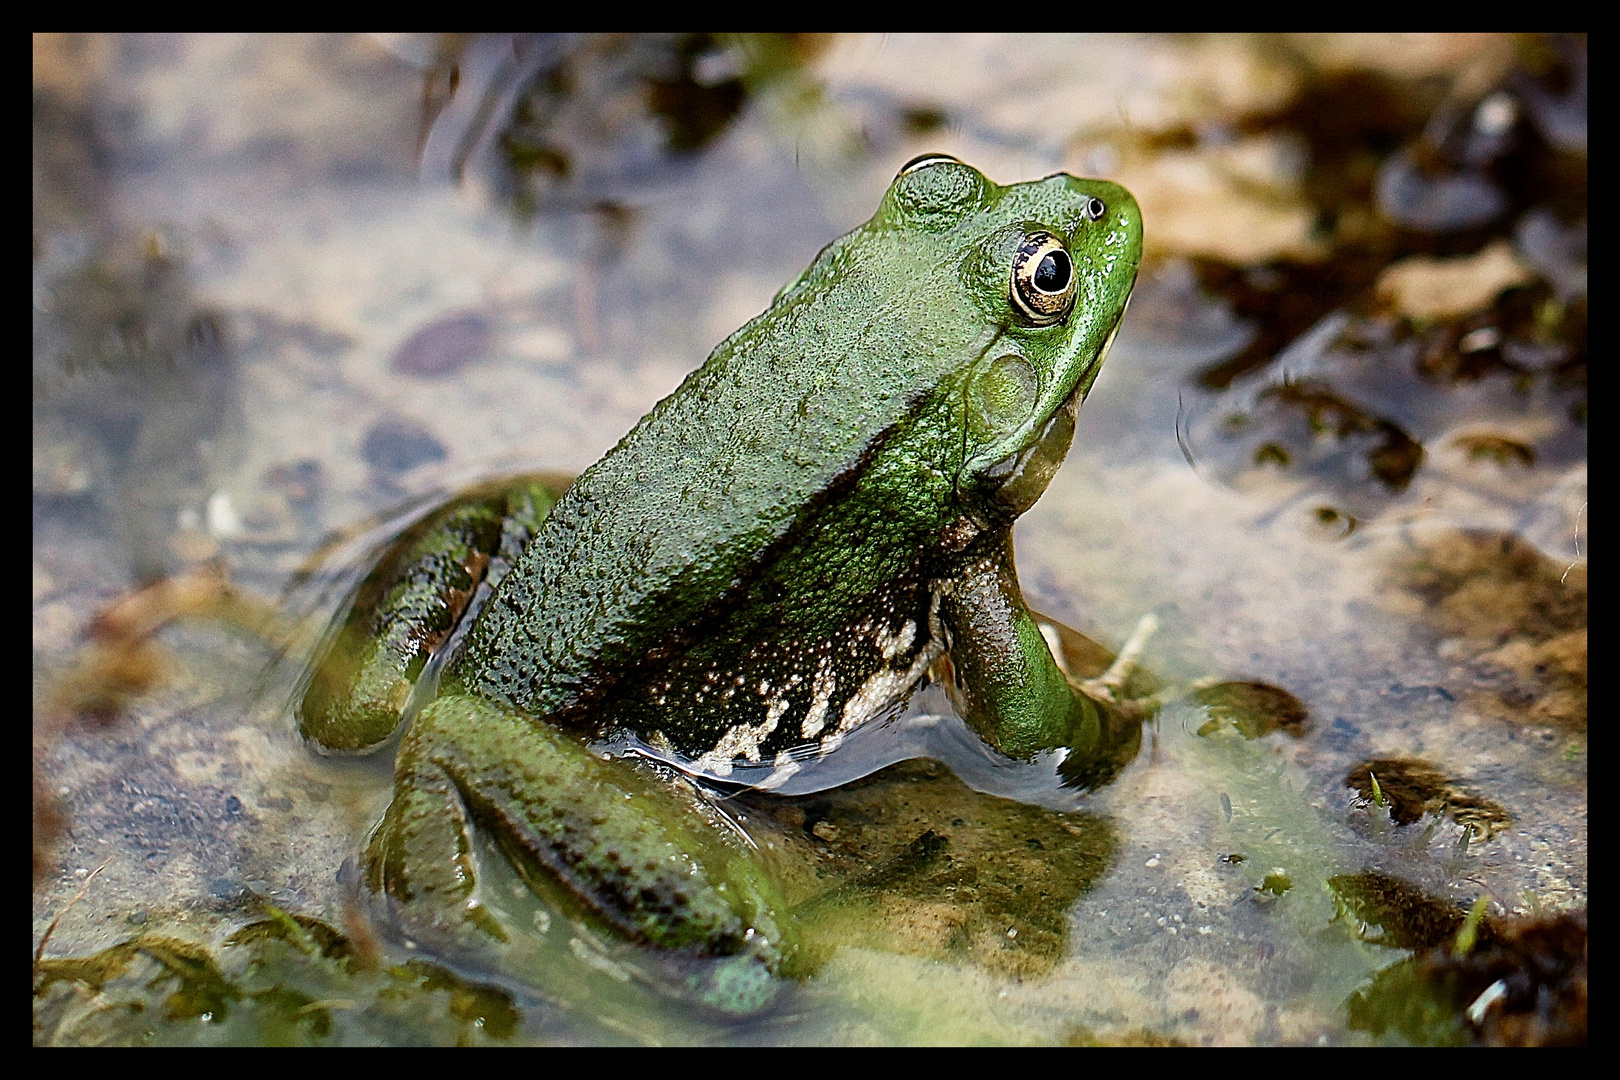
[[670, 538]]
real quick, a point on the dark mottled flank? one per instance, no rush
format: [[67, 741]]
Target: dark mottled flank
[[406, 608]]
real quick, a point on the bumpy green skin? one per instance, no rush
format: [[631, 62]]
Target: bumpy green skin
[[643, 852], [408, 606], [776, 554]]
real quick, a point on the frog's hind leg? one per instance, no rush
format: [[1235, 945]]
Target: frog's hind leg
[[409, 605], [635, 848]]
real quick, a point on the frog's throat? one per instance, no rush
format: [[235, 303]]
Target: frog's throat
[[1009, 454]]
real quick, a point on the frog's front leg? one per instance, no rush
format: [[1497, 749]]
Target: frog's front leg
[[627, 842], [1011, 691]]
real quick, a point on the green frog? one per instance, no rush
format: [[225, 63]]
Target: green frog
[[816, 523]]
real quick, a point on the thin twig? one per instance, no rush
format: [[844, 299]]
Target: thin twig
[[39, 953]]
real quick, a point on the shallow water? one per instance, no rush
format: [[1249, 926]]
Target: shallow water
[[286, 286]]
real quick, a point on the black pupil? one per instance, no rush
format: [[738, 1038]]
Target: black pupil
[[1053, 273]]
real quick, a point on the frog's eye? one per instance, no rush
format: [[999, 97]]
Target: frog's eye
[[1094, 209], [1043, 279], [922, 161]]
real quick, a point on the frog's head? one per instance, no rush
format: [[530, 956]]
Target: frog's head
[[1045, 269]]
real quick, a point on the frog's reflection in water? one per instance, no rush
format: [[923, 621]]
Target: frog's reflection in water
[[911, 860]]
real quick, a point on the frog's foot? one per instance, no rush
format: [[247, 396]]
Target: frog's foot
[[1109, 687], [609, 839]]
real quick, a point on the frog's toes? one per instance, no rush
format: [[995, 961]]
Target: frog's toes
[[739, 985], [1109, 687]]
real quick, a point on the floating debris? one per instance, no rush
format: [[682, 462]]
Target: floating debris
[[1254, 708], [1409, 789]]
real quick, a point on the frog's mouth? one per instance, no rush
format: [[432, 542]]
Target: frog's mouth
[[1010, 475]]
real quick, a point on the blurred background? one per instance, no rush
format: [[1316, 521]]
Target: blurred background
[[284, 287]]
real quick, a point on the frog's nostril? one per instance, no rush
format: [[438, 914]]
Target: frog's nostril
[[1095, 208]]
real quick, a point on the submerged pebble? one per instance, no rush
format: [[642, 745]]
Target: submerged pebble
[[444, 347], [394, 445]]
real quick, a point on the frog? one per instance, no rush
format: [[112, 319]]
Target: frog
[[814, 525]]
